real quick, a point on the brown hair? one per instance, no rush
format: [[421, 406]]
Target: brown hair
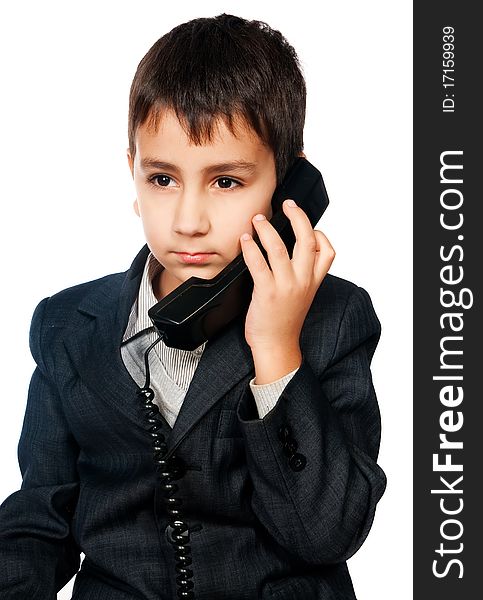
[[227, 67]]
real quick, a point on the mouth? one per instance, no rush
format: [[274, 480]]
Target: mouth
[[195, 258]]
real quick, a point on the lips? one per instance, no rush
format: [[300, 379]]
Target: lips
[[194, 258]]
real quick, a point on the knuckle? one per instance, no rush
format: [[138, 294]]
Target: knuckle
[[306, 290], [271, 295], [311, 244], [260, 263], [279, 249]]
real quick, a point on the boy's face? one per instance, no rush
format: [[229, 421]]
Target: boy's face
[[198, 199]]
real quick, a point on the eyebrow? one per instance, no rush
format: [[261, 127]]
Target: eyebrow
[[235, 165]]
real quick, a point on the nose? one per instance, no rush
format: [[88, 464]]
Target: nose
[[191, 216]]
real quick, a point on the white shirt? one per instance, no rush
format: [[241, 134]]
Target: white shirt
[[172, 369]]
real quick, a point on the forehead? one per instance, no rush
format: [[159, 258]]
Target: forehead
[[164, 130]]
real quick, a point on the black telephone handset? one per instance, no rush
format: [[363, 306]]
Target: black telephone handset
[[199, 308]]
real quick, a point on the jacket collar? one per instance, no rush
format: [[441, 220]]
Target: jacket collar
[[139, 319], [95, 351]]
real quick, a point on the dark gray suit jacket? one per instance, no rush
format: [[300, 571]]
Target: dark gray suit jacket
[[277, 504]]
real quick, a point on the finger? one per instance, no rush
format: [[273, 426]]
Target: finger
[[255, 261], [304, 252], [275, 248], [325, 255]]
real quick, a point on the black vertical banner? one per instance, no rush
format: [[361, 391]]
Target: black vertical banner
[[448, 273]]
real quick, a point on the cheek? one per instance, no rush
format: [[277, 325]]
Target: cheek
[[155, 224], [241, 224], [227, 233], [246, 213], [264, 206]]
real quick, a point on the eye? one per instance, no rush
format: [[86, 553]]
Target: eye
[[161, 180], [225, 183]]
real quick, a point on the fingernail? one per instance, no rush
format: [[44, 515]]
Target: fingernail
[[245, 237], [291, 203], [259, 217]]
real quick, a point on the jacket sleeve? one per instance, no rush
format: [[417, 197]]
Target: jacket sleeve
[[37, 553], [312, 458]]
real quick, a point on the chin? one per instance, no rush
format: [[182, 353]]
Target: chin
[[205, 271]]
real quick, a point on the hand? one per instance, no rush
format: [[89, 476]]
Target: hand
[[283, 295]]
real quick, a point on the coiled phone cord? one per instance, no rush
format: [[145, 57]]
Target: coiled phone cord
[[169, 470]]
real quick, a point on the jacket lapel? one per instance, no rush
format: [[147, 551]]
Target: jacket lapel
[[225, 361], [95, 351], [95, 348]]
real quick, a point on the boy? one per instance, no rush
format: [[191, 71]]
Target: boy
[[265, 438]]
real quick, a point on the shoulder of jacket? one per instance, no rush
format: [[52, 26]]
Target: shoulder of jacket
[[341, 313], [338, 291], [54, 313], [333, 294], [351, 313], [64, 301]]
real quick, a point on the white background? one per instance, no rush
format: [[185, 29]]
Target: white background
[[67, 192]]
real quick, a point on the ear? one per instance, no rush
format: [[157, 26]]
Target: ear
[[136, 207], [130, 160]]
